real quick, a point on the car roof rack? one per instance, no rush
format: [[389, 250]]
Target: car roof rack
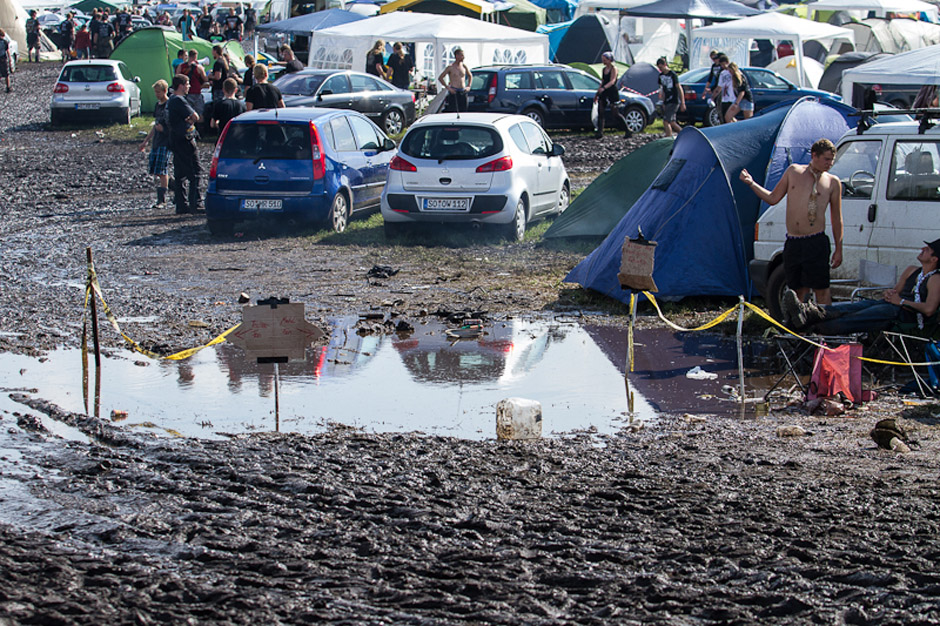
[[926, 116]]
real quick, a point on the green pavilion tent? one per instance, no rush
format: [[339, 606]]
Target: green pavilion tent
[[87, 6], [149, 53], [600, 207]]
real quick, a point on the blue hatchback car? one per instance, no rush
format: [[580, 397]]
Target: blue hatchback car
[[299, 164]]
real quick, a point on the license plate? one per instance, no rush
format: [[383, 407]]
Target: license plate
[[263, 205], [87, 106], [446, 204]]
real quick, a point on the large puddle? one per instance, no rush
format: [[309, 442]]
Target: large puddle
[[424, 382]]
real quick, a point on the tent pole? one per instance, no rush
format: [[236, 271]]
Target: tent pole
[[799, 60]]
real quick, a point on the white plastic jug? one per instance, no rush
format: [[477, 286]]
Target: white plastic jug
[[518, 418]]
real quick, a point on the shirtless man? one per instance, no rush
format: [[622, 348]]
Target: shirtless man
[[458, 81], [808, 188]]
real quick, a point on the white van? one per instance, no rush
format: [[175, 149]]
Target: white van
[[890, 205]]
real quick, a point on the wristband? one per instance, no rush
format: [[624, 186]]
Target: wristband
[[902, 302]]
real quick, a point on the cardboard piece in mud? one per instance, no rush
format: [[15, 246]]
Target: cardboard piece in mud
[[636, 264], [275, 332]]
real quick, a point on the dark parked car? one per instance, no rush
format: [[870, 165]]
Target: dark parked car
[[555, 96], [393, 109], [768, 88], [301, 164]]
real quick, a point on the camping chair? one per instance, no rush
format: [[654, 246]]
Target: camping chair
[[872, 277], [799, 356], [909, 344]]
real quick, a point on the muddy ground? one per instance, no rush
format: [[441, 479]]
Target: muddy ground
[[696, 519]]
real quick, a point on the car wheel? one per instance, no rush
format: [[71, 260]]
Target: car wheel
[[536, 116], [339, 213], [564, 198], [515, 230], [713, 117], [55, 118], [775, 286], [123, 116], [220, 227], [393, 122], [393, 230], [635, 119]]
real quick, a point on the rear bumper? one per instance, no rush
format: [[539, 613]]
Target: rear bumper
[[300, 208], [484, 209]]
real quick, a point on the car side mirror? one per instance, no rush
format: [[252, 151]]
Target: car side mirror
[[325, 92], [388, 144], [557, 149], [137, 79]]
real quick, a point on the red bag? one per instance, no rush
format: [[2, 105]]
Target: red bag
[[837, 370]]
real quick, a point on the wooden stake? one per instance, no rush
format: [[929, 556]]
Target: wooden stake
[[94, 314]]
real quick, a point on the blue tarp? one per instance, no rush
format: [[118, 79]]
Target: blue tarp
[[566, 7], [555, 32], [698, 211], [306, 24]]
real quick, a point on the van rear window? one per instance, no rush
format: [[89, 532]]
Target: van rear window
[[254, 140], [452, 142]]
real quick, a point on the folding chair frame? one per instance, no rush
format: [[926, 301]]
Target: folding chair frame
[[899, 343], [794, 351]]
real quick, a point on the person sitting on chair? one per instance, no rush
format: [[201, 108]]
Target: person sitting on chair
[[914, 299]]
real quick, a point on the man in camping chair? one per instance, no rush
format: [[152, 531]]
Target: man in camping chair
[[913, 301]]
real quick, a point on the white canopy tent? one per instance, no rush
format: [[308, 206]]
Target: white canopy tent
[[880, 7], [893, 36], [734, 37], [13, 21], [917, 67], [786, 67], [434, 37]]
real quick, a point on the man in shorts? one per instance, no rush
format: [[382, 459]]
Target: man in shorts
[[457, 84], [32, 36], [809, 189], [159, 135], [671, 95]]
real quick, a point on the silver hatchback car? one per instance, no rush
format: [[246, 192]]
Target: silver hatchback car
[[95, 88], [483, 168]]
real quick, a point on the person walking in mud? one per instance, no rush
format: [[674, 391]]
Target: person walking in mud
[[32, 36], [181, 119], [671, 95], [809, 189], [5, 59], [159, 140], [458, 83]]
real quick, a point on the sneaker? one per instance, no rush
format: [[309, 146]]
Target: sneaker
[[159, 206], [792, 309]]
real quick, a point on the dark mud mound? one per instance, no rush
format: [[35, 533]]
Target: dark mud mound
[[716, 523]]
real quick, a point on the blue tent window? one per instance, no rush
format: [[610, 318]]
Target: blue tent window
[[668, 174]]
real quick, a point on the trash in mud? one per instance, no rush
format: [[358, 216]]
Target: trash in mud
[[382, 271], [697, 373]]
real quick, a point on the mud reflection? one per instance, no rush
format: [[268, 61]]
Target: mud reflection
[[425, 382]]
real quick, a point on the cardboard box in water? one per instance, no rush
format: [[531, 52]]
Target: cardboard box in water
[[636, 265]]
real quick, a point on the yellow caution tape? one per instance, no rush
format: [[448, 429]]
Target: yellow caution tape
[[711, 324], [179, 356]]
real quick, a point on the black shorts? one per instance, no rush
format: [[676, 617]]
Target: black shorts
[[806, 261]]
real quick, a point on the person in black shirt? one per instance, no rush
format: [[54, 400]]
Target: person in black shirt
[[375, 60], [400, 65], [251, 19], [181, 119], [227, 108], [263, 95], [204, 24], [220, 71], [671, 95], [290, 62], [711, 83], [607, 94], [248, 79]]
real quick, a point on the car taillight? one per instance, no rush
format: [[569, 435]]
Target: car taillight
[[691, 95], [402, 165], [499, 165], [316, 148], [60, 88], [492, 92], [214, 166], [116, 88]]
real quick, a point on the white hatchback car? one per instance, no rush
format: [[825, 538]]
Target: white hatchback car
[[95, 88], [483, 168]]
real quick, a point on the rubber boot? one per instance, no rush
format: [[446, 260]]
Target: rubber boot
[[600, 125], [194, 204], [161, 198]]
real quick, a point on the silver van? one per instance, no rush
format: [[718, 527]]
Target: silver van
[[890, 205]]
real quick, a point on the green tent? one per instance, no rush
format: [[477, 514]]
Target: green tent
[[149, 54], [87, 6], [523, 15], [600, 207]]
